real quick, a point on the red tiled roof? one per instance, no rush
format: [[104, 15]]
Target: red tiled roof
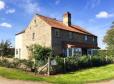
[[60, 25]]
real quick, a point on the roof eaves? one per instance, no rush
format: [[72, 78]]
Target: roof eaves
[[20, 32]]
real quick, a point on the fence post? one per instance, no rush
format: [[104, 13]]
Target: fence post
[[90, 60], [106, 58], [48, 66], [90, 57], [64, 65]]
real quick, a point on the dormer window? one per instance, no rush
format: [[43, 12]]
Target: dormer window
[[85, 37], [57, 33]]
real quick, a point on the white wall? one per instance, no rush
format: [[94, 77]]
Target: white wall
[[19, 45]]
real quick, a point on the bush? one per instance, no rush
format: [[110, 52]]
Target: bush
[[26, 65], [75, 63], [63, 64]]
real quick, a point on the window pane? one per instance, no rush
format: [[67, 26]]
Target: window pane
[[33, 36], [85, 38], [16, 51], [70, 35], [57, 33]]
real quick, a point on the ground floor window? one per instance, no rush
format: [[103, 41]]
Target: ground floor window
[[91, 51], [78, 51], [72, 51], [16, 51]]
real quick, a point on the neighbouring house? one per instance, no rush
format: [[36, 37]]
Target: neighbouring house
[[62, 36]]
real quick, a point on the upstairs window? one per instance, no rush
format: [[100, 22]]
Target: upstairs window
[[34, 21], [33, 36], [85, 37], [93, 39], [57, 33], [70, 35]]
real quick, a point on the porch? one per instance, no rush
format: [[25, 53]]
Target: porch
[[74, 50]]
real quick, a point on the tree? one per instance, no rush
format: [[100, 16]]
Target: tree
[[109, 39], [40, 55], [4, 48]]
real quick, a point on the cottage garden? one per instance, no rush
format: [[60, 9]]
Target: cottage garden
[[42, 62]]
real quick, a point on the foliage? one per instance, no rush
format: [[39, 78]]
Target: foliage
[[84, 76], [109, 39], [26, 64], [102, 53], [77, 77], [16, 63], [76, 63], [40, 53], [5, 48]]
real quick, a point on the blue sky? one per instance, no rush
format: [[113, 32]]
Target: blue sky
[[94, 15]]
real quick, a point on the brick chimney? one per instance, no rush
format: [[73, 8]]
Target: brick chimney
[[67, 19]]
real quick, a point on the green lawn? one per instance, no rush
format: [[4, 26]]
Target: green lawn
[[78, 77]]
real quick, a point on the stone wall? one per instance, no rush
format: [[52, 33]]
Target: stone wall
[[42, 34], [57, 42]]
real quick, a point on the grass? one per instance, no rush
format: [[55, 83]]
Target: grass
[[78, 77], [18, 74]]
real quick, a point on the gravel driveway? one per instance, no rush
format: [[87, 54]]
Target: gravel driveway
[[8, 81]]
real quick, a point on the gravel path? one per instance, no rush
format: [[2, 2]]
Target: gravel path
[[104, 82], [8, 81]]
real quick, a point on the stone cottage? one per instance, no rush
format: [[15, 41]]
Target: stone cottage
[[62, 36]]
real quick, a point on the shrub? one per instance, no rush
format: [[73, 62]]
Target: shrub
[[75, 63], [60, 65], [26, 65]]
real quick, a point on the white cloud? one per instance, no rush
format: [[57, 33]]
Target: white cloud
[[92, 4], [6, 25], [10, 11], [2, 5], [30, 7], [27, 6], [104, 14], [57, 2]]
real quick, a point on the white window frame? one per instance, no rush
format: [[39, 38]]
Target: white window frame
[[91, 50], [78, 51], [86, 38]]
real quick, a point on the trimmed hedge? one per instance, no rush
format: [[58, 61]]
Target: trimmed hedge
[[76, 63], [64, 65]]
